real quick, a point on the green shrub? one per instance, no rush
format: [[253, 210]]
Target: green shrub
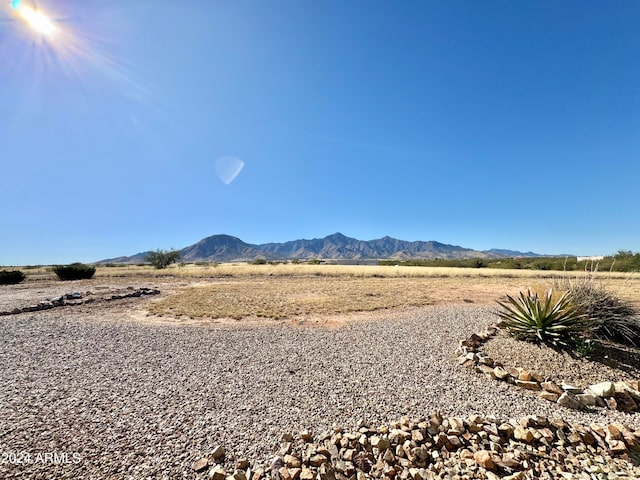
[[75, 271], [11, 277], [611, 317], [162, 258], [556, 322]]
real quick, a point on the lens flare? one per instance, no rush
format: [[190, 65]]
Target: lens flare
[[35, 19], [228, 168]]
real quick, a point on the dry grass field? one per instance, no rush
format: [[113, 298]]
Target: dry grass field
[[237, 291], [288, 291]]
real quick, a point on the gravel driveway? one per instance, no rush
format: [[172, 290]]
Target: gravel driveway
[[114, 397]]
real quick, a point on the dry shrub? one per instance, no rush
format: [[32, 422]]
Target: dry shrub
[[613, 318]]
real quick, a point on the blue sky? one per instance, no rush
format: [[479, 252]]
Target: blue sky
[[486, 124]]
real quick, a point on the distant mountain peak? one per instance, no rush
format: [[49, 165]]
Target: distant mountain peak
[[337, 246]]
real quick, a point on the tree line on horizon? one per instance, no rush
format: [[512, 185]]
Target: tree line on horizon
[[622, 261]]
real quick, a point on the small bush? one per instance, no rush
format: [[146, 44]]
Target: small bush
[[162, 258], [612, 318], [75, 271], [556, 322], [11, 277]]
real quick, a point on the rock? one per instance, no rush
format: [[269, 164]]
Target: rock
[[239, 475], [487, 370], [613, 432], [634, 384], [217, 473], [284, 473], [617, 446], [456, 426], [217, 453], [317, 460], [500, 373], [523, 434], [568, 400], [292, 461], [325, 472], [295, 473], [484, 459], [570, 388], [276, 463], [611, 403], [388, 456], [587, 399], [625, 402], [486, 361], [536, 377], [285, 448], [200, 464], [257, 475], [242, 463], [551, 387], [514, 372], [58, 301], [604, 389], [523, 375], [535, 386], [552, 397], [306, 474]]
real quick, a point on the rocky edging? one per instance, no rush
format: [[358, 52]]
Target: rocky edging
[[78, 298], [458, 448], [622, 396]]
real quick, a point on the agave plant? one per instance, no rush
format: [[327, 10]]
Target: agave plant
[[553, 322]]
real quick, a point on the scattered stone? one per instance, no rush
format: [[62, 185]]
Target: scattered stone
[[306, 474], [552, 397], [528, 385], [604, 389], [317, 460], [292, 461], [217, 453], [524, 375], [217, 473], [200, 464], [568, 400], [570, 388], [587, 399], [484, 459], [551, 387], [523, 434]]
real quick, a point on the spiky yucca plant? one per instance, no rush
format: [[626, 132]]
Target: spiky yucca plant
[[528, 317]]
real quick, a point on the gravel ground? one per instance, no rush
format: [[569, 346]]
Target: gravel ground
[[606, 363], [114, 397]]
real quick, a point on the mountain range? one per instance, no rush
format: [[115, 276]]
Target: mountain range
[[225, 248]]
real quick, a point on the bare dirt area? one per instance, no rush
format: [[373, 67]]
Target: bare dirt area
[[126, 393]]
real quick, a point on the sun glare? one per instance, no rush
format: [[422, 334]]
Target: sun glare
[[36, 20]]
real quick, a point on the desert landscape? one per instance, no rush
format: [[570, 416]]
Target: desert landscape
[[295, 372]]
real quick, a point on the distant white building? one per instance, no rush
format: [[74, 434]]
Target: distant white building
[[590, 259]]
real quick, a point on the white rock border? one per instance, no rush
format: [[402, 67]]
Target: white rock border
[[78, 298], [621, 396]]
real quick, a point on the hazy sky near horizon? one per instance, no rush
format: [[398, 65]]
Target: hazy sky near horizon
[[152, 124]]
